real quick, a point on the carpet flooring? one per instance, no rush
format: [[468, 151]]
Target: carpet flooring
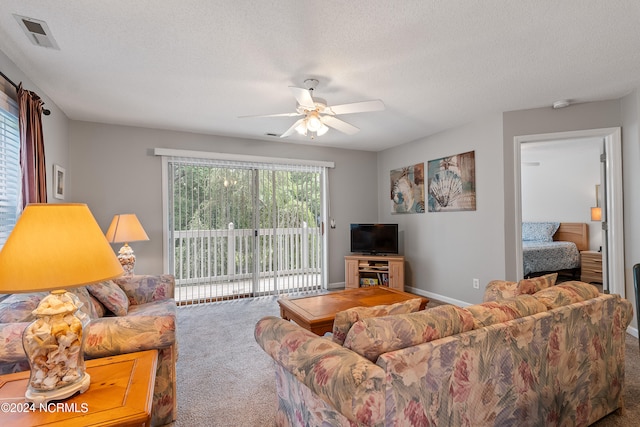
[[225, 379]]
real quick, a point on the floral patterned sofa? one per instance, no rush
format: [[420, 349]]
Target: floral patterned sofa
[[547, 355], [128, 314]]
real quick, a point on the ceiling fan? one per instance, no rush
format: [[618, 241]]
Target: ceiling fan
[[318, 117]]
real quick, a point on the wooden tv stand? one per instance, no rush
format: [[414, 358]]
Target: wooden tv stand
[[372, 270]]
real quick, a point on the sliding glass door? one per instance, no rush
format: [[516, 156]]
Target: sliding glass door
[[242, 229]]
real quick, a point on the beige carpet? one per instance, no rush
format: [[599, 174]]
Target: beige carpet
[[225, 379]]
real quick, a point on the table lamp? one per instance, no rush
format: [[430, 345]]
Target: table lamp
[[51, 248], [126, 228]]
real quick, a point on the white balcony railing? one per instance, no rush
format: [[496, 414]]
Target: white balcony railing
[[214, 264]]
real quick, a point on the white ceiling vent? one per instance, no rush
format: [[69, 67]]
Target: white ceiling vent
[[37, 31]]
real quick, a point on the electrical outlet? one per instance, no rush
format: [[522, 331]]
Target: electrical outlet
[[476, 284]]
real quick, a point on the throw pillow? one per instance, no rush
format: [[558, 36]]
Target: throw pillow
[[97, 305], [535, 284], [111, 295], [489, 313], [18, 307], [497, 290], [377, 335], [345, 319], [566, 293], [539, 231], [87, 306]]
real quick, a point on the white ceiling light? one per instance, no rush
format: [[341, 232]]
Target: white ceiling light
[[311, 125], [323, 129], [313, 122], [301, 128]]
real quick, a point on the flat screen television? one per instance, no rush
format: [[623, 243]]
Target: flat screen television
[[374, 238]]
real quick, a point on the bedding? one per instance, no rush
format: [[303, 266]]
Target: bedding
[[549, 256], [539, 231]]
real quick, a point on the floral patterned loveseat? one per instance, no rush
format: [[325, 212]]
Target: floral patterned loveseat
[[552, 356], [128, 314]]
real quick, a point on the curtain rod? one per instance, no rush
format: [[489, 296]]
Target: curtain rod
[[44, 110]]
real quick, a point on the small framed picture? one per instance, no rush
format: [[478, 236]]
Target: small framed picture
[[58, 181]]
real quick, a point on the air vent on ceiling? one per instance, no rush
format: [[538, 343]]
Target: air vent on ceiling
[[37, 32]]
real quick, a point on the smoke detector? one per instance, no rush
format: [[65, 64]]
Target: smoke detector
[[561, 104], [37, 32]]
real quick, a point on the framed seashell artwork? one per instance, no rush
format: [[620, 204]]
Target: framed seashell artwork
[[407, 189], [452, 183]]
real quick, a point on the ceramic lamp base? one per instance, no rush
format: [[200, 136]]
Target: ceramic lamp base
[[127, 259], [42, 397]]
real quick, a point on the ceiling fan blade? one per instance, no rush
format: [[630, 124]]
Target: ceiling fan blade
[[303, 97], [340, 125], [272, 115], [292, 129], [355, 107]]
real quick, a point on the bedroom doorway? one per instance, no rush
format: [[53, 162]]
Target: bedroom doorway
[[609, 195]]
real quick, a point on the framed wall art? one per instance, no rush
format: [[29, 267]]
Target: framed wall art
[[58, 181], [407, 189], [452, 183]]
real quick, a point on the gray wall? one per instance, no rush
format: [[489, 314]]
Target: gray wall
[[113, 170], [446, 250], [55, 127]]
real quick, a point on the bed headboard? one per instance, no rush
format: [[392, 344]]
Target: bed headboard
[[576, 232]]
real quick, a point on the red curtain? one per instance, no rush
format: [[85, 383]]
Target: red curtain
[[34, 171]]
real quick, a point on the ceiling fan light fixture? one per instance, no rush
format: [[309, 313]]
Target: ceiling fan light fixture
[[302, 128], [313, 122], [323, 129], [316, 117]]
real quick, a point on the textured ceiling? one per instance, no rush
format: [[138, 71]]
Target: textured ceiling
[[196, 65]]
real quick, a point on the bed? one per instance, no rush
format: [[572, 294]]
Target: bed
[[553, 247]]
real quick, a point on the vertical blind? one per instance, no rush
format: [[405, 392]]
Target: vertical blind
[[10, 188], [239, 228]]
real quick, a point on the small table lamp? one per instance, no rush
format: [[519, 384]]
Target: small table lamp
[[53, 247], [126, 228]]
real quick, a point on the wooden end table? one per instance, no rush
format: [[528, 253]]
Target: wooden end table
[[317, 313], [120, 394]]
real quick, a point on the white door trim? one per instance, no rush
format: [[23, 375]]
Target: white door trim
[[615, 251]]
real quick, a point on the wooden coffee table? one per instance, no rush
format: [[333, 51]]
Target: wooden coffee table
[[316, 313], [120, 394]]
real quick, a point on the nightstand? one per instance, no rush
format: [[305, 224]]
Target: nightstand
[[591, 266]]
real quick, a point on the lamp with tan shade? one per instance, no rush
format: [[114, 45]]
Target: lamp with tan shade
[[126, 228], [596, 211], [54, 247]]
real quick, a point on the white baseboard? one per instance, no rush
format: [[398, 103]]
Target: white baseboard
[[337, 285], [436, 296], [632, 331]]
